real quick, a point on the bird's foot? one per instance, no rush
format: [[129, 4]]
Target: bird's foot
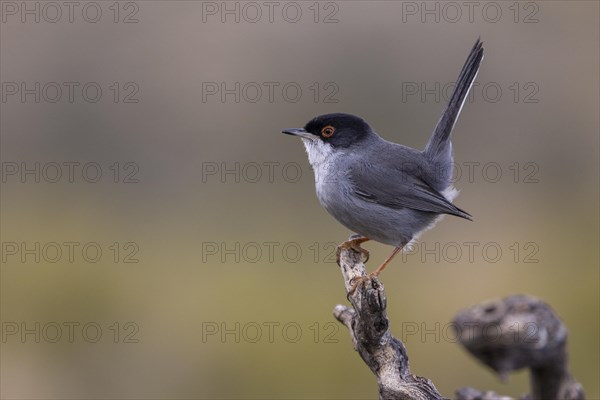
[[359, 280], [362, 280], [353, 243]]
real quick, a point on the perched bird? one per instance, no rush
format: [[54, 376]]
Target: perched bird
[[381, 190]]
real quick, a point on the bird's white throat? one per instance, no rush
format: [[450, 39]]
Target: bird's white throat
[[319, 152], [320, 157]]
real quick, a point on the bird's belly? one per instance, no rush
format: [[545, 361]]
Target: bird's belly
[[382, 224]]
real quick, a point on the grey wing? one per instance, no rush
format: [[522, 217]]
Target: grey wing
[[391, 188]]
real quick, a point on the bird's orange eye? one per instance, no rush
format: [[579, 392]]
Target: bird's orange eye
[[328, 131]]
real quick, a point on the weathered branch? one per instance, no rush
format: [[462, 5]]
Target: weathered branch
[[369, 328], [520, 332], [509, 334]]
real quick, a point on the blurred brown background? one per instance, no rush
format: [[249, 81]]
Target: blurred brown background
[[215, 277]]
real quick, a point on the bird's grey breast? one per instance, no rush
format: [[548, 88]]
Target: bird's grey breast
[[330, 167]]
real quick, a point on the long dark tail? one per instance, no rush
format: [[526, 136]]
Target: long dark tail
[[439, 148]]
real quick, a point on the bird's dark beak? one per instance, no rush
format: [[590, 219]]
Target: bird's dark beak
[[299, 132]]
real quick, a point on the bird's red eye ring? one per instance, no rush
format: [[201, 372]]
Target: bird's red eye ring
[[328, 131]]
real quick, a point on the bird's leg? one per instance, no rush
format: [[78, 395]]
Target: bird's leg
[[353, 243], [374, 274], [386, 262]]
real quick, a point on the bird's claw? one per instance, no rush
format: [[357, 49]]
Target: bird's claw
[[362, 279], [357, 280], [353, 244]]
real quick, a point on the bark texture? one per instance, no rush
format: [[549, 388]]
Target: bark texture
[[506, 335], [370, 331]]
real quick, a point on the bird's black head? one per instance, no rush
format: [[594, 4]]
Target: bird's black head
[[339, 130]]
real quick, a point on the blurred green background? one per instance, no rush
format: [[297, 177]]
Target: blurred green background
[[234, 284]]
